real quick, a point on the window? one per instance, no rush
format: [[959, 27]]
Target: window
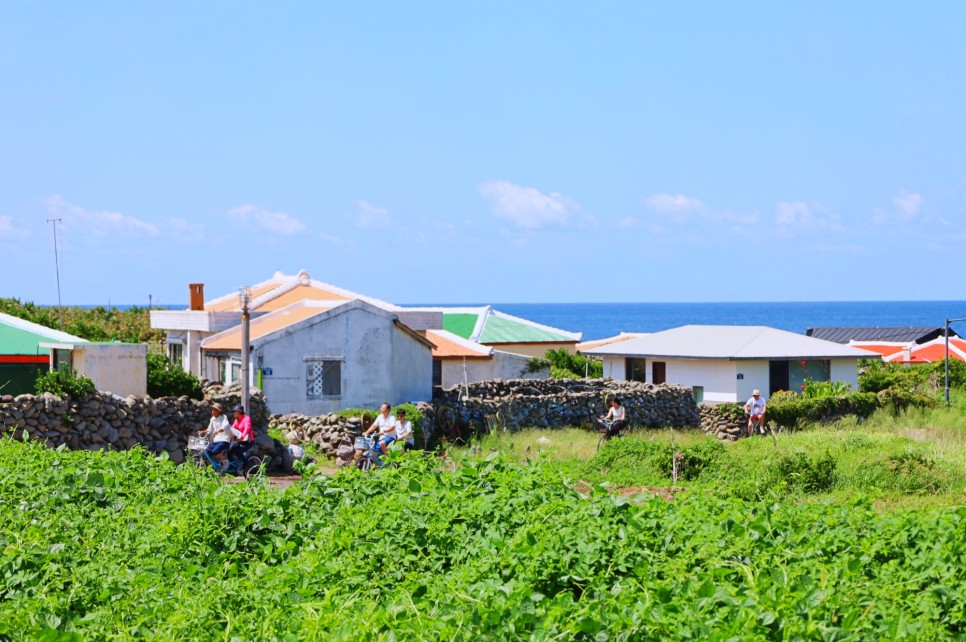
[[323, 378], [176, 353], [635, 369], [437, 372]]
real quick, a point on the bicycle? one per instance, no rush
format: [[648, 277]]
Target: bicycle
[[240, 463], [610, 429]]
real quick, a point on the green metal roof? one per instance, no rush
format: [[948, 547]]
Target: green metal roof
[[16, 341], [502, 330], [460, 324]]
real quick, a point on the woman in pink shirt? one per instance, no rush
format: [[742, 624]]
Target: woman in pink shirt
[[241, 429]]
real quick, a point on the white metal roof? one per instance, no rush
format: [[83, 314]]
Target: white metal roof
[[729, 342]]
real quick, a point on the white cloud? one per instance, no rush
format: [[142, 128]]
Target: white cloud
[[185, 230], [527, 207], [370, 216], [100, 224], [907, 204], [276, 222], [330, 239], [684, 209], [9, 230], [800, 216]]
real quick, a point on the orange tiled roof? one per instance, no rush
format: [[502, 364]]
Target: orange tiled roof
[[932, 352], [884, 349], [451, 346], [260, 326], [283, 290]]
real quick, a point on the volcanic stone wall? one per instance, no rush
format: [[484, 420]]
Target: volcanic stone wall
[[557, 403], [107, 422]]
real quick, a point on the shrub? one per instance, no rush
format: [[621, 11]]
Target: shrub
[[816, 389], [794, 410], [166, 379], [65, 383], [576, 364], [876, 376], [801, 472], [731, 411], [537, 365]]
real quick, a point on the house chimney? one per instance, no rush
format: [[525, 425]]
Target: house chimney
[[907, 354], [197, 294]]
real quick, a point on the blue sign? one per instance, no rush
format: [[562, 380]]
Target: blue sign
[[267, 372]]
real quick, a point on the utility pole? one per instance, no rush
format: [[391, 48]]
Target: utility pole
[[948, 321], [245, 296], [60, 309]]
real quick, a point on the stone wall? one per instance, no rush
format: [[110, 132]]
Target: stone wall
[[107, 422], [325, 432], [556, 403], [720, 424]]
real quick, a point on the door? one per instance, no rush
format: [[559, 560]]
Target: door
[[777, 376], [659, 372]]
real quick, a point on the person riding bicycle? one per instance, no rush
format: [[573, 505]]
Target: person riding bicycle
[[616, 416], [220, 433], [385, 423], [241, 430], [404, 430], [755, 407]]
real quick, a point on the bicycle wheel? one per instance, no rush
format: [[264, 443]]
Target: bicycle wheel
[[254, 468], [364, 462]]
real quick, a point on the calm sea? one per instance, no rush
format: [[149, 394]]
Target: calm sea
[[599, 320]]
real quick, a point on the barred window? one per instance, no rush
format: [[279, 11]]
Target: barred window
[[323, 378]]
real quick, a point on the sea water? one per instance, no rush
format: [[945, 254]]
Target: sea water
[[599, 320]]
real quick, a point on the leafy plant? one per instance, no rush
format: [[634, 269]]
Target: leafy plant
[[166, 379], [64, 382], [573, 366], [816, 389]]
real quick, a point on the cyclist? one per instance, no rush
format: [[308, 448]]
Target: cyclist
[[220, 433], [617, 416], [755, 407], [241, 430]]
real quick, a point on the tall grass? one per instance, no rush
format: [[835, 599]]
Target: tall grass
[[917, 453]]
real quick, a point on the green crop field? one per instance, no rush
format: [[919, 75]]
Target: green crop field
[[497, 545]]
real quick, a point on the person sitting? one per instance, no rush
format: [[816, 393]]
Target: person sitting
[[242, 432], [220, 433], [385, 423], [755, 407], [616, 418], [404, 431]]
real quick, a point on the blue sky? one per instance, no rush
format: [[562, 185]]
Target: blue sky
[[503, 152]]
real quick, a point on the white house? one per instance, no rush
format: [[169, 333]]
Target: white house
[[315, 357], [725, 363]]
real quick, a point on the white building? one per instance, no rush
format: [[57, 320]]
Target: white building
[[725, 363]]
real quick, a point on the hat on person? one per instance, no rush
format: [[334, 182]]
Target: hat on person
[[756, 393], [238, 408], [217, 406]]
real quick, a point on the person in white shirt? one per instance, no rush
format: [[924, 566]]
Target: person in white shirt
[[617, 416], [385, 423], [404, 430], [220, 433], [755, 407]]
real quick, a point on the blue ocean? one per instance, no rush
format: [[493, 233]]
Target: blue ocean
[[599, 320]]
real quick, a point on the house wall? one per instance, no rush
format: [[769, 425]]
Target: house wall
[[120, 368], [614, 368], [412, 377], [502, 365], [379, 362], [846, 371], [757, 374], [534, 349], [717, 377]]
